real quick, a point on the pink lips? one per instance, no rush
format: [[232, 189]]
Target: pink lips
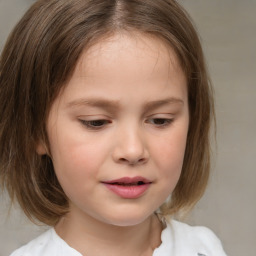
[[129, 188]]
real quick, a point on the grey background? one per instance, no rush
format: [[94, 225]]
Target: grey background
[[228, 32]]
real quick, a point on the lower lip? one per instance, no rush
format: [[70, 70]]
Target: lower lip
[[128, 192]]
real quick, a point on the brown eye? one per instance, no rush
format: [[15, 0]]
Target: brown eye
[[160, 122], [94, 124]]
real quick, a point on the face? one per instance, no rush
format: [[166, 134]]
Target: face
[[118, 129]]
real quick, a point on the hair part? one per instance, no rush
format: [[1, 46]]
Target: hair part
[[40, 56]]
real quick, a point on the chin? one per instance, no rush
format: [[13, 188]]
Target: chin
[[128, 219]]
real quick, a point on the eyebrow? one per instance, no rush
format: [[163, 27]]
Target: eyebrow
[[112, 105], [159, 103]]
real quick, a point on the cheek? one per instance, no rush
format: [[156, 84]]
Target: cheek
[[168, 158], [169, 155], [76, 169], [76, 158]]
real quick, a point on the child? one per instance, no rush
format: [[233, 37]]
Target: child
[[104, 132]]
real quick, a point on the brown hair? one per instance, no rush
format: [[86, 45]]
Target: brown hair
[[40, 56]]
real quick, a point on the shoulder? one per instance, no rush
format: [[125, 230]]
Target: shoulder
[[198, 233], [49, 243], [193, 240], [35, 246]]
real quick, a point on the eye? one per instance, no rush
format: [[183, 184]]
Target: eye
[[160, 122], [94, 124]]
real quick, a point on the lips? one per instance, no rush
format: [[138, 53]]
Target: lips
[[128, 187], [127, 181]]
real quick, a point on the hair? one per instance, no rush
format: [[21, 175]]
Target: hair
[[38, 59]]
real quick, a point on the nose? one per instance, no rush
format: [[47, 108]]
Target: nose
[[130, 147]]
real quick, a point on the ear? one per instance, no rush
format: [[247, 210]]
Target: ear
[[41, 149]]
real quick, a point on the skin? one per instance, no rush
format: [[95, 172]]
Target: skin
[[134, 85]]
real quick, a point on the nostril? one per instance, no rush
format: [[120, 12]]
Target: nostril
[[123, 160], [132, 162]]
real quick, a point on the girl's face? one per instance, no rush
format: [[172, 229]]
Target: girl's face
[[118, 130]]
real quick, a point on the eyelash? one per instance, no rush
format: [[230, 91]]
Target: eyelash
[[101, 123], [163, 122], [95, 124]]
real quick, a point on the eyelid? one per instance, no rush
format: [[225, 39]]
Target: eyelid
[[161, 116], [88, 123], [166, 118]]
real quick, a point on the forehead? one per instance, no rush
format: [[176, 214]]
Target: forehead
[[131, 62], [132, 70], [127, 48]]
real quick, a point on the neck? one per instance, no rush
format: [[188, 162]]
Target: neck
[[91, 237]]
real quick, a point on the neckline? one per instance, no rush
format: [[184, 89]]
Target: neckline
[[63, 244], [163, 247]]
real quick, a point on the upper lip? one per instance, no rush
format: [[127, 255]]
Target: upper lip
[[129, 180]]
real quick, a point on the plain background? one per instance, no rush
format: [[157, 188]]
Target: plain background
[[228, 34]]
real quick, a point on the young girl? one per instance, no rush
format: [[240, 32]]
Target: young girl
[[104, 127]]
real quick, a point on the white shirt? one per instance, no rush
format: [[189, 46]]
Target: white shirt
[[178, 239]]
